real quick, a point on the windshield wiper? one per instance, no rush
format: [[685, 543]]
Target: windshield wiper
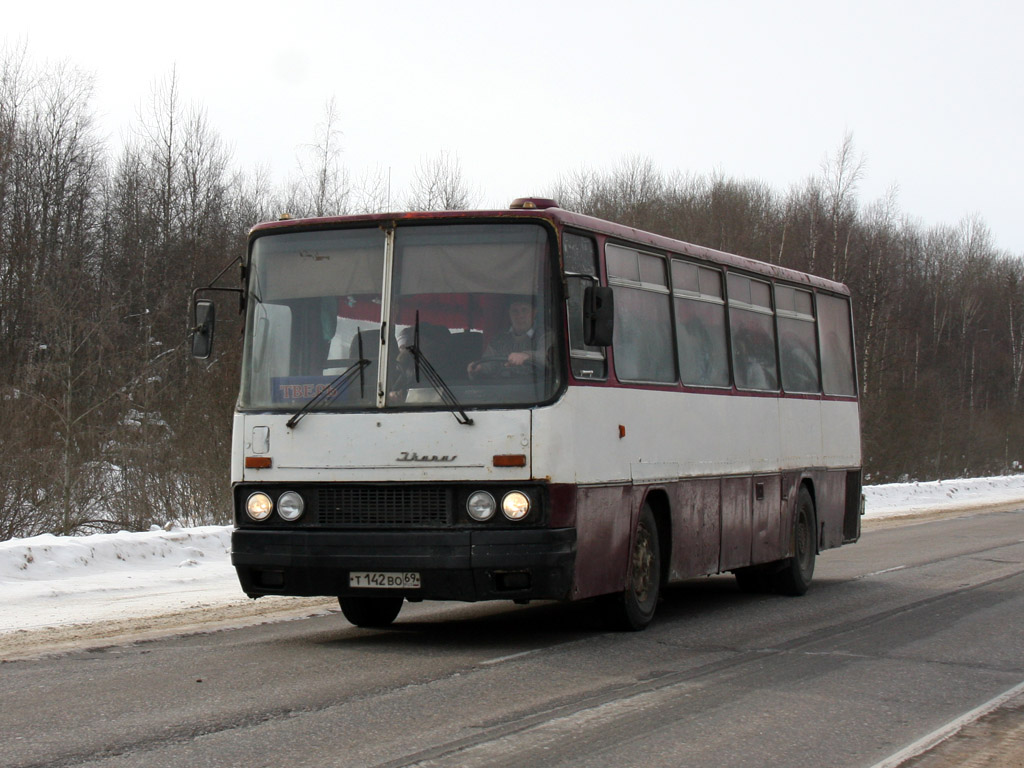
[[337, 385], [435, 379]]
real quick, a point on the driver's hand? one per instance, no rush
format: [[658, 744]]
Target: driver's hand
[[517, 358]]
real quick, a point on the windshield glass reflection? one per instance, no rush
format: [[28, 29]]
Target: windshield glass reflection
[[479, 295]]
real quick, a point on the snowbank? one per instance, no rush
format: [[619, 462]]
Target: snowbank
[[901, 499], [53, 581], [51, 557], [49, 581]]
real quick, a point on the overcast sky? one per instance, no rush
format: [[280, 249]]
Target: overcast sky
[[523, 92]]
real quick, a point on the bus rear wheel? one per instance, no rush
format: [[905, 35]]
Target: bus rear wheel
[[795, 575], [633, 608], [370, 612]]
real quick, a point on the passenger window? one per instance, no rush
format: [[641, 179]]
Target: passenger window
[[652, 271], [798, 350], [753, 334], [622, 263], [700, 325], [643, 316], [835, 334]]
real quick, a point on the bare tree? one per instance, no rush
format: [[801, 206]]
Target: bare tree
[[373, 194], [439, 185], [18, 475], [173, 225], [16, 85], [325, 184], [159, 127], [251, 197], [1013, 279], [883, 220], [577, 190], [842, 172], [69, 371], [636, 191]]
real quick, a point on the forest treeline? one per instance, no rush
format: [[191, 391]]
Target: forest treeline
[[107, 423]]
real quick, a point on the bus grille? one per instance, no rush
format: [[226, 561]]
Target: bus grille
[[383, 506]]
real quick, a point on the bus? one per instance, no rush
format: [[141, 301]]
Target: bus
[[532, 404]]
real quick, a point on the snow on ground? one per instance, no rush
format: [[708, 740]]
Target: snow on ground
[[902, 499], [49, 581]]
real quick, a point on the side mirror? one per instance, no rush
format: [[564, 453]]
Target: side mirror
[[598, 316], [204, 315]]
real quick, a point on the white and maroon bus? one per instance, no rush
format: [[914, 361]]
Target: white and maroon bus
[[532, 404]]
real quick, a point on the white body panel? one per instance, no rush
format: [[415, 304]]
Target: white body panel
[[381, 447], [670, 435]]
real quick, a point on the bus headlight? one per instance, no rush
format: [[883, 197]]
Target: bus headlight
[[259, 506], [480, 505], [290, 506], [515, 505]]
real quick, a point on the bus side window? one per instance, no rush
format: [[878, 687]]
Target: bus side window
[[798, 350], [700, 325], [580, 256], [753, 334], [836, 337], [643, 316]]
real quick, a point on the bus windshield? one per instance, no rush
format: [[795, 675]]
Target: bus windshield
[[468, 305]]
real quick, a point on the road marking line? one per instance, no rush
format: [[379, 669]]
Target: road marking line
[[939, 735], [509, 657], [886, 570]]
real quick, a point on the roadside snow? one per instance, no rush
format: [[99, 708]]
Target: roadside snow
[[53, 581], [49, 581], [902, 499]]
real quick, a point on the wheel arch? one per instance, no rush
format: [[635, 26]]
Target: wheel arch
[[808, 483], [657, 499]]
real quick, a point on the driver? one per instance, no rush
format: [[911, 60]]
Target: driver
[[519, 348]]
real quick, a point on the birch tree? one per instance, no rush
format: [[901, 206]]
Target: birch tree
[[438, 184], [841, 173]]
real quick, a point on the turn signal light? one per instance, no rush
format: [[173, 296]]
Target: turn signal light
[[510, 460]]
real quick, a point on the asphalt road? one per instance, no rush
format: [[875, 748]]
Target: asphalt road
[[900, 635]]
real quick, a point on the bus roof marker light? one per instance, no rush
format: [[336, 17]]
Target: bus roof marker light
[[532, 204]]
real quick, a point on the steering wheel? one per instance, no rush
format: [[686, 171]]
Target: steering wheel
[[494, 366]]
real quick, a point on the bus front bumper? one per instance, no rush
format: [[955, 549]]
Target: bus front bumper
[[529, 564]]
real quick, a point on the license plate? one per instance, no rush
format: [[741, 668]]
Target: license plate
[[384, 579]]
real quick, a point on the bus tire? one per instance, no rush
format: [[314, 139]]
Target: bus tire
[[796, 572], [633, 608], [370, 612]]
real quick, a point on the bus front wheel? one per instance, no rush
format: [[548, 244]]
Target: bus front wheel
[[633, 608], [370, 611], [795, 576]]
